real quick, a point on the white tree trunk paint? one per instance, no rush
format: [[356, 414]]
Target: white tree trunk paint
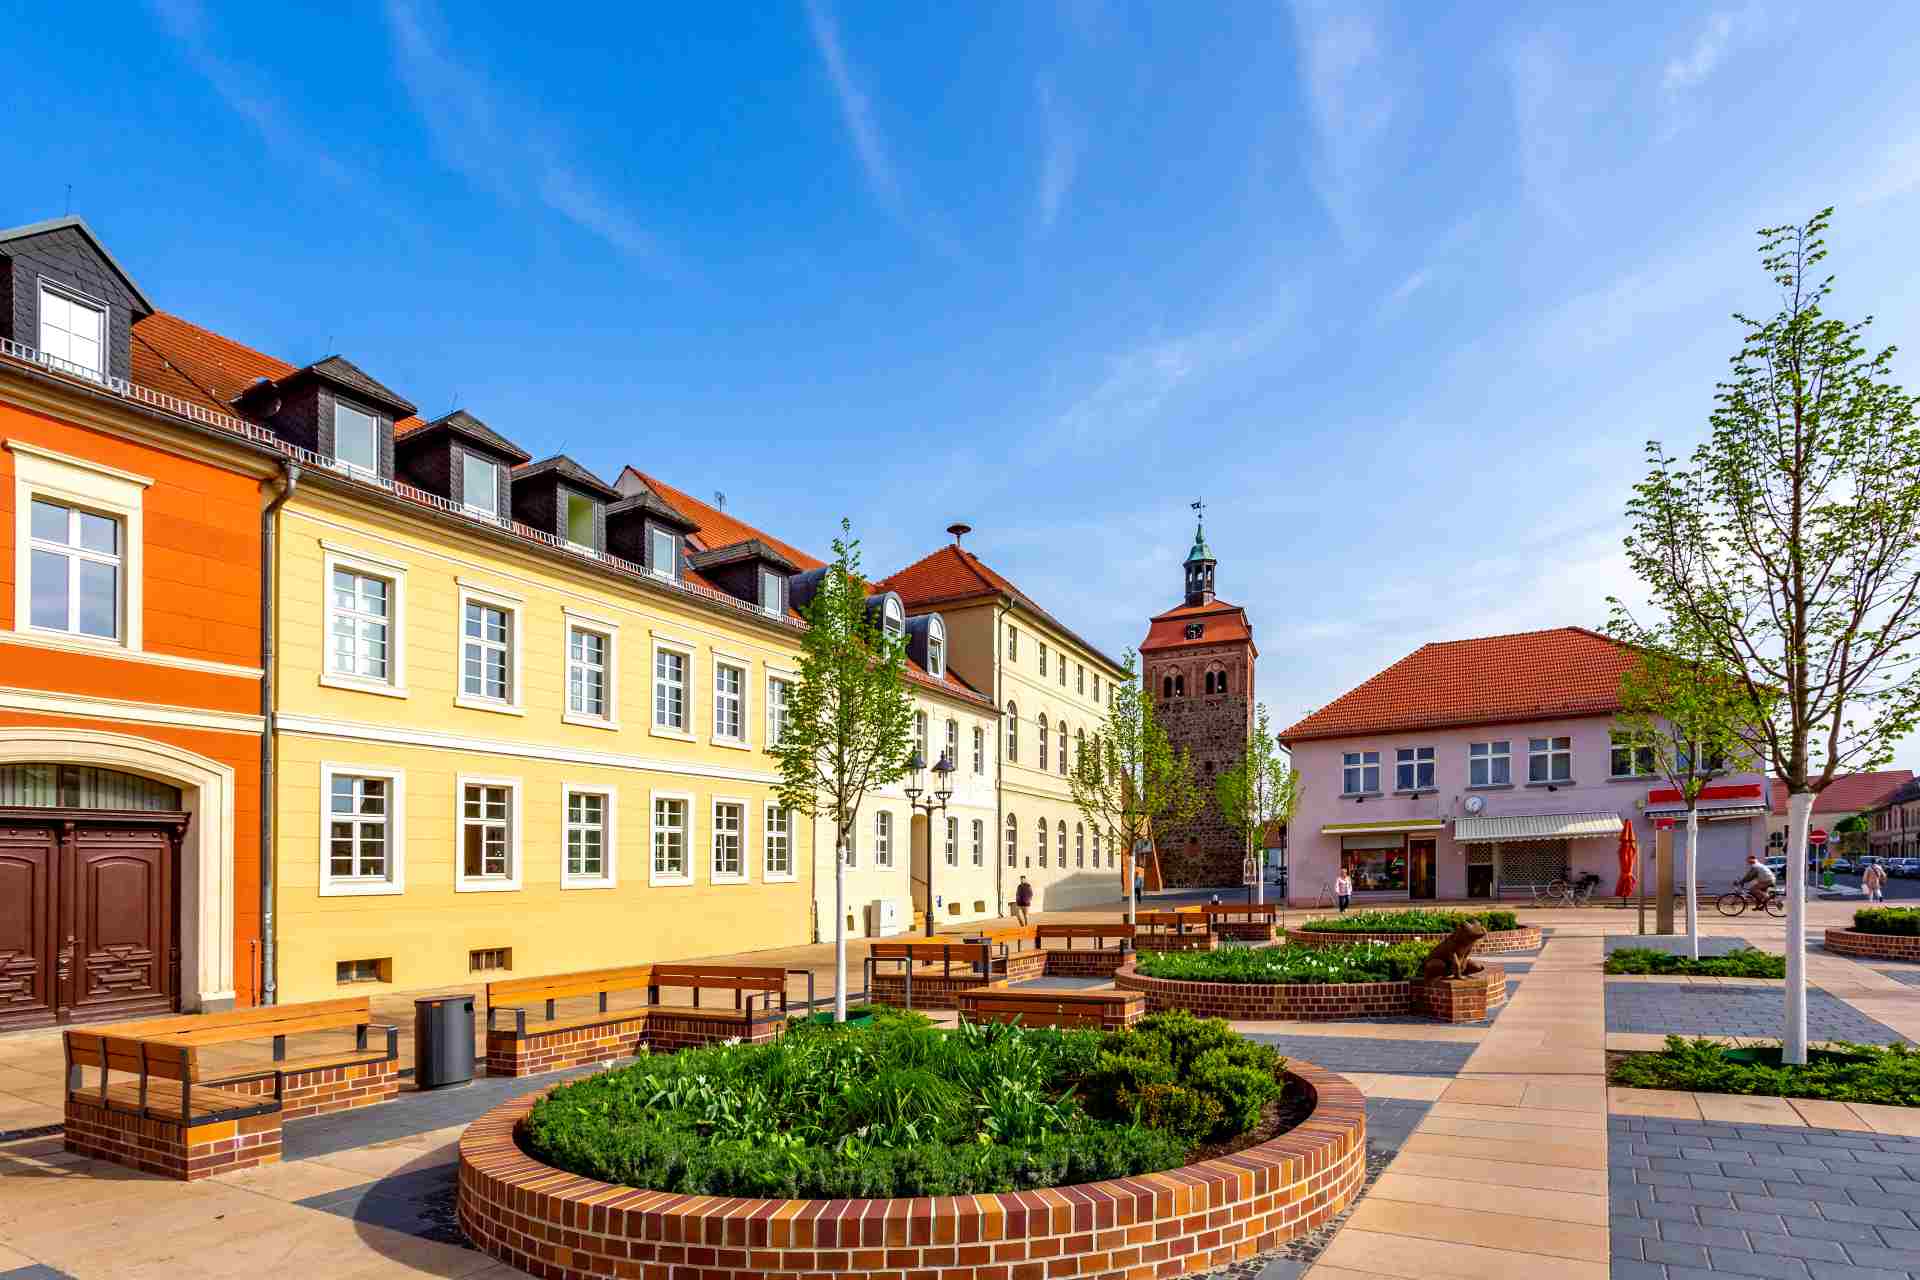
[[840, 929], [1793, 1039], [1693, 881]]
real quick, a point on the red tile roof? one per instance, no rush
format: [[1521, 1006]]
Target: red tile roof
[[1535, 675], [1848, 792], [1220, 621], [714, 528], [953, 573]]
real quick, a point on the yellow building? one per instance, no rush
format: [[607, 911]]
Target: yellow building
[[521, 716], [1052, 689]]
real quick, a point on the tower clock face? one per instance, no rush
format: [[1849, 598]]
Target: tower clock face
[[1194, 629]]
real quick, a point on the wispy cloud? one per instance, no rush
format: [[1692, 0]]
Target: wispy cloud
[[1537, 83], [503, 143], [1352, 91], [1060, 155], [1408, 287], [1700, 61], [856, 110]]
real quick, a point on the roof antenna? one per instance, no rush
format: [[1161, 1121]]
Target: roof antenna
[[959, 531], [720, 500], [69, 200]]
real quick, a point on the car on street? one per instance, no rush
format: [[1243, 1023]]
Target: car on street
[[1905, 868], [1842, 867], [1778, 866]]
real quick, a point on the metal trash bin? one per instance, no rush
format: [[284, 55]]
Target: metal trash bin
[[442, 1041]]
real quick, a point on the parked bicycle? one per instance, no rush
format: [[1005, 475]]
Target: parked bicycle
[[1737, 902], [1563, 893]]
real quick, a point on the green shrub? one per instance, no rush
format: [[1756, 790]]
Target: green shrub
[[1746, 962], [1903, 921], [901, 1108], [1860, 1073], [1410, 920], [1362, 962]]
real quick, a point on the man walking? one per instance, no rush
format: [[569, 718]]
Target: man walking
[[1874, 881], [1022, 899], [1343, 889]]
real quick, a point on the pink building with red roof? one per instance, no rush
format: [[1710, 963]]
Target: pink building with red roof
[[1481, 768]]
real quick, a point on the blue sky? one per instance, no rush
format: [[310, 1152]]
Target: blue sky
[[1400, 291]]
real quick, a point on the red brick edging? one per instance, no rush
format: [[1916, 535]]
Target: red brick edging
[[1447, 1000], [1873, 946], [1526, 938], [565, 1227]]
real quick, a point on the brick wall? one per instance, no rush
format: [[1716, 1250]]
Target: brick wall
[[1175, 1223], [1321, 1002], [623, 1035], [168, 1148], [1214, 729], [325, 1090], [1176, 942], [1873, 946], [1525, 938]]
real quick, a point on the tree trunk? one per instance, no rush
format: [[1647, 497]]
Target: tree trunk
[[1693, 880], [1793, 1039], [840, 928]]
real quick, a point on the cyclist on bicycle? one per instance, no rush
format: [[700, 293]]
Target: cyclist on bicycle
[[1762, 880]]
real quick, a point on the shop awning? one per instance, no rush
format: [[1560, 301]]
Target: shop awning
[[1734, 800], [1539, 826], [1386, 826]]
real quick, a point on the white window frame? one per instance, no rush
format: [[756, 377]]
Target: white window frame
[[1040, 838], [491, 511], [354, 468], [1550, 753], [1013, 644], [570, 498], [1060, 843], [979, 842], [769, 813], [1040, 735], [684, 732], [953, 841], [784, 704], [571, 622], [883, 839], [1080, 678], [395, 881], [1361, 761], [514, 607], [770, 579], [979, 750], [936, 647], [73, 553], [75, 298], [1061, 728], [1504, 752], [108, 491], [1411, 758], [1010, 839], [516, 859], [609, 835], [687, 834], [893, 617], [1621, 741], [1080, 845], [951, 748], [920, 730], [1043, 657], [671, 569], [1013, 733], [741, 741], [745, 840]]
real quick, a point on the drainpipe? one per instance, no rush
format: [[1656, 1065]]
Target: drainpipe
[[289, 480]]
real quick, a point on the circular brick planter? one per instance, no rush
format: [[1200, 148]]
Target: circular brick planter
[[1446, 1000], [1525, 938], [1873, 946], [1179, 1222]]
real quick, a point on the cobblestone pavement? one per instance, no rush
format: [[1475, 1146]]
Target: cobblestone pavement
[[1355, 1053], [1662, 1008], [1691, 1199], [1911, 977]]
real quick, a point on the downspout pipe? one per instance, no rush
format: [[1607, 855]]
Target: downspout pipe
[[269, 577]]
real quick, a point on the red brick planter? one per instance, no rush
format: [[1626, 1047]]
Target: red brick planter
[[935, 988], [1200, 941], [1448, 1000], [1873, 946], [564, 1227], [1525, 938]]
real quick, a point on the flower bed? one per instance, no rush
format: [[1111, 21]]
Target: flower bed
[[1177, 1222], [1852, 1073], [1504, 930], [1362, 980], [1746, 962], [1898, 921]]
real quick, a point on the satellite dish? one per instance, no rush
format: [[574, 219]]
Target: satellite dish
[[1474, 804]]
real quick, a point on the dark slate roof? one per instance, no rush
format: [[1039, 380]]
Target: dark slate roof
[[344, 374], [734, 553], [654, 505], [570, 471], [463, 424], [80, 225]]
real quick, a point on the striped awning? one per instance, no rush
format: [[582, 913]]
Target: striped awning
[[1538, 826], [1385, 826]]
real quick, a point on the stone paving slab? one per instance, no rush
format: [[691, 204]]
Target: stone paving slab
[[1391, 1057], [1698, 1197], [1649, 1008], [413, 1113], [1907, 977]]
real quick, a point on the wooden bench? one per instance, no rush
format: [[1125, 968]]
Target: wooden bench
[[1246, 921], [1119, 931], [1012, 937], [1184, 930], [1038, 1007], [561, 1040], [186, 1117], [928, 965]]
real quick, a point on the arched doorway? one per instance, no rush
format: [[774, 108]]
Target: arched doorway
[[115, 879]]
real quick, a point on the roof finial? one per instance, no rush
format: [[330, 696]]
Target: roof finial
[[1199, 551], [959, 531]]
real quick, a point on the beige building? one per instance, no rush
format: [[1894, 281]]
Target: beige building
[[1052, 689]]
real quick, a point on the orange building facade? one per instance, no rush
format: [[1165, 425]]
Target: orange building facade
[[131, 668]]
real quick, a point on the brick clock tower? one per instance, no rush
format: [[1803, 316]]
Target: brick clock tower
[[1197, 662]]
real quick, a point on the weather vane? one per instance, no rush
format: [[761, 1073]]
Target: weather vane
[[1199, 505]]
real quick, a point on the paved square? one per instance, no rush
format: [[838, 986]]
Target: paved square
[[1357, 1053], [1703, 1009]]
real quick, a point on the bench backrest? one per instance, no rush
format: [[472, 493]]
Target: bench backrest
[[720, 977], [124, 1054], [271, 1020], [1118, 930], [965, 952], [559, 986], [1169, 919], [1252, 910], [1006, 933], [1044, 1008]]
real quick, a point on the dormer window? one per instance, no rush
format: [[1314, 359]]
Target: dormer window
[[73, 332], [662, 552], [356, 438], [770, 600], [480, 485], [580, 520], [893, 618], [936, 648]]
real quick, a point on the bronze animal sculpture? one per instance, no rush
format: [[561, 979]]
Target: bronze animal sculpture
[[1453, 957]]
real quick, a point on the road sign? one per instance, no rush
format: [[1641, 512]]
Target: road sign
[[1817, 836]]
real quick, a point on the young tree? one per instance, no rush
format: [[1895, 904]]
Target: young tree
[[1688, 720], [849, 721], [1130, 777], [1258, 792], [1787, 545]]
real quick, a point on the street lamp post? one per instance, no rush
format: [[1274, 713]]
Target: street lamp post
[[936, 802]]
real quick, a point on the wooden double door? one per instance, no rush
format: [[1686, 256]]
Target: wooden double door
[[89, 922]]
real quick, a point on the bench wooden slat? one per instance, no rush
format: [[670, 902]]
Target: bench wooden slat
[[560, 985], [150, 1027], [720, 977], [344, 1020]]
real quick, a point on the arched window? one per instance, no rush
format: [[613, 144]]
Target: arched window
[[936, 647], [1180, 686], [1080, 845], [1041, 721], [1042, 841], [1096, 846], [1079, 746], [1166, 686], [1063, 746], [1013, 733], [893, 617], [1013, 841], [953, 743], [1063, 843], [1220, 682], [920, 734]]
